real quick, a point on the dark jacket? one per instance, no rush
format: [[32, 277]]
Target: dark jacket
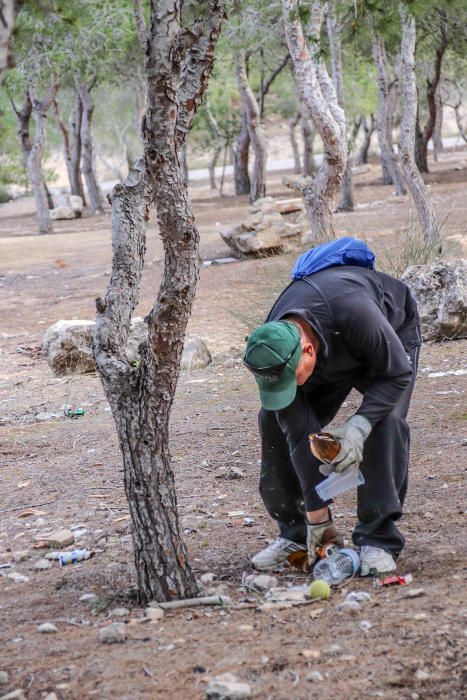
[[365, 321]]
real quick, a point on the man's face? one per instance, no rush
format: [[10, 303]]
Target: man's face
[[306, 364]]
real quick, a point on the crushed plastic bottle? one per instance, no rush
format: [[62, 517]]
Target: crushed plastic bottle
[[335, 568], [74, 556]]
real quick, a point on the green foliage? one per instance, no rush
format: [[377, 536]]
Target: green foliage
[[4, 196]]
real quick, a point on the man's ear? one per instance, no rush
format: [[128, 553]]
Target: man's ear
[[309, 349]]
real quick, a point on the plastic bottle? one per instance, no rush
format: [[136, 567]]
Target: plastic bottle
[[337, 567], [336, 484], [74, 556]]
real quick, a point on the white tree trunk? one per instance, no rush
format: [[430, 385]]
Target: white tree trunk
[[438, 129], [414, 181], [389, 164], [308, 137], [255, 130], [318, 97]]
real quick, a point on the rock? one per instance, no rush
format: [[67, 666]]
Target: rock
[[195, 355], [88, 598], [440, 291], [422, 675], [72, 201], [46, 628], [262, 204], [154, 613], [3, 677], [40, 522], [288, 206], [43, 416], [262, 219], [333, 649], [51, 696], [350, 607], [208, 578], [17, 577], [311, 653], [22, 555], [119, 612], [59, 538], [14, 695], [263, 582], [227, 687], [315, 676], [234, 473], [42, 564], [62, 213], [358, 596], [67, 347], [365, 625], [414, 593], [113, 634]]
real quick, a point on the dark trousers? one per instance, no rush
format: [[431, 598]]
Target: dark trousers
[[289, 471]]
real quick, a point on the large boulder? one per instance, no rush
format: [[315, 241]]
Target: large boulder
[[67, 347], [441, 294]]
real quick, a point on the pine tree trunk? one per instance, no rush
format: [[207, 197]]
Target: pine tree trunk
[[411, 173], [241, 153], [294, 143], [308, 137], [8, 10], [92, 187], [178, 65], [437, 137], [74, 170], [319, 99], [368, 130], [389, 164], [346, 202], [255, 130], [36, 177], [422, 137]]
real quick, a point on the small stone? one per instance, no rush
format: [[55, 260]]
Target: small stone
[[333, 649], [351, 607], [21, 555], [120, 612], [17, 577], [365, 625], [227, 687], [315, 676], [414, 593], [113, 634], [14, 695], [51, 696], [422, 675], [40, 522], [59, 538], [208, 578], [154, 613], [310, 653], [420, 616], [42, 564], [46, 628], [3, 677], [234, 473], [414, 696], [263, 582], [358, 596], [88, 598]]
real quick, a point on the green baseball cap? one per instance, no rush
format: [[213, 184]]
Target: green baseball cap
[[272, 353]]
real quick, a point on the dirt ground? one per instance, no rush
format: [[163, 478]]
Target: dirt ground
[[70, 472]]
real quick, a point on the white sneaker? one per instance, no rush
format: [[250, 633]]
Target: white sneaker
[[375, 560], [276, 553]]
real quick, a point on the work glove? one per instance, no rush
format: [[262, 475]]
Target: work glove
[[351, 436], [319, 535]]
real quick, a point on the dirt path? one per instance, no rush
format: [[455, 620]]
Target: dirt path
[[411, 648]]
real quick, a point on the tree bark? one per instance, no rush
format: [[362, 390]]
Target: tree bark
[[294, 143], [217, 148], [346, 202], [319, 99], [178, 66], [8, 12], [308, 137], [76, 117], [255, 131], [368, 129], [437, 137], [389, 165], [34, 163], [87, 166], [71, 149], [241, 153], [422, 136], [411, 173]]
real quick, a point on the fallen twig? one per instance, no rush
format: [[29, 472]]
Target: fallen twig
[[33, 505], [191, 602]]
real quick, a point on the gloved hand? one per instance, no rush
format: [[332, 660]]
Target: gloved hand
[[352, 436]]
